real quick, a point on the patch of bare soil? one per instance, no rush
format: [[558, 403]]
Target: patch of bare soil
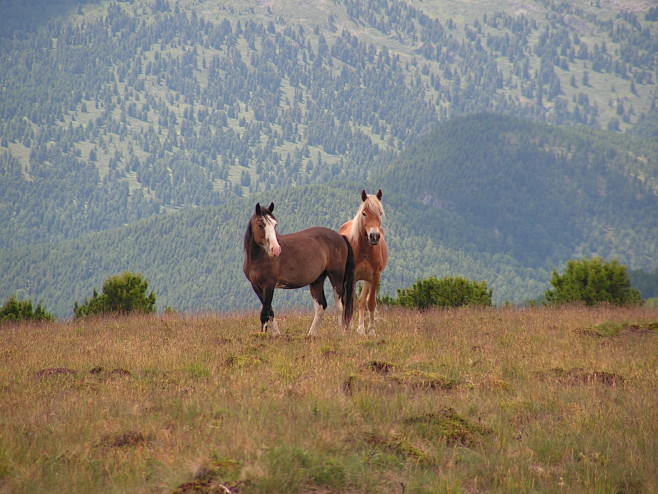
[[54, 371], [647, 329], [114, 372], [578, 376], [385, 376], [216, 478], [621, 329], [208, 487], [380, 366], [128, 439]]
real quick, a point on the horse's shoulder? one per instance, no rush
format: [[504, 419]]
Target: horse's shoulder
[[345, 228]]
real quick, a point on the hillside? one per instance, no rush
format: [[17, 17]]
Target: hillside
[[487, 197], [111, 112], [540, 194]]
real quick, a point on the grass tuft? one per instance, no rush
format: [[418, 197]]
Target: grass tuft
[[449, 426]]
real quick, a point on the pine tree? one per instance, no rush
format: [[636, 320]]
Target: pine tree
[[122, 294], [591, 281]]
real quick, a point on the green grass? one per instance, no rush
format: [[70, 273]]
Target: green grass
[[468, 400]]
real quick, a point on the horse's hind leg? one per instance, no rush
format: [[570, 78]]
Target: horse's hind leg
[[338, 304], [339, 309], [338, 288], [317, 292]]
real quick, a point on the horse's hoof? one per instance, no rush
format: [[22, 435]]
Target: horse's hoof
[[361, 331]]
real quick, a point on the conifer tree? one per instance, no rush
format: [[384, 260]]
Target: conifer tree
[[122, 294], [592, 281]]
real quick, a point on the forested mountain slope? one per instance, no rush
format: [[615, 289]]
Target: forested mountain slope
[[111, 112], [487, 197], [539, 193]]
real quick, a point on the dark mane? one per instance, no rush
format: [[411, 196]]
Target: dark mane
[[248, 237]]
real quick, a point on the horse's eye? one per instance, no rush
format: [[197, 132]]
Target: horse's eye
[[364, 214]]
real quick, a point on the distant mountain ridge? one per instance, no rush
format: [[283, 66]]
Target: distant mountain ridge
[[457, 204], [111, 112]]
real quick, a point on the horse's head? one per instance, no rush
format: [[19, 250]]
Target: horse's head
[[263, 229], [371, 212]]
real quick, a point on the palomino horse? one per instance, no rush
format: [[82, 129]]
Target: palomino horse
[[296, 260], [366, 236]]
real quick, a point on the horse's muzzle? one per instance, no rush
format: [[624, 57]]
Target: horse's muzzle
[[373, 238], [274, 250]]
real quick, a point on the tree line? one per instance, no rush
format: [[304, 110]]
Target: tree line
[[586, 281]]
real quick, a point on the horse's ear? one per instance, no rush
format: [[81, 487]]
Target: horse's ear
[[258, 208], [271, 208], [379, 194], [364, 196]]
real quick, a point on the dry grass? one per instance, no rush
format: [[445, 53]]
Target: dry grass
[[469, 400]]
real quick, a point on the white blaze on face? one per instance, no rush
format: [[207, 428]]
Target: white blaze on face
[[272, 244], [373, 235]]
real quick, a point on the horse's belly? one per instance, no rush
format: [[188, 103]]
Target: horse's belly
[[288, 285], [297, 275], [300, 268]]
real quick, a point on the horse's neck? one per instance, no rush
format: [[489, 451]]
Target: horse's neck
[[363, 246], [255, 251]]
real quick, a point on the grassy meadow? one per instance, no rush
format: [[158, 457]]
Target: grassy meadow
[[467, 400]]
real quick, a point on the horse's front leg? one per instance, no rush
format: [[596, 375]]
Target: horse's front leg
[[372, 305], [267, 314], [363, 297]]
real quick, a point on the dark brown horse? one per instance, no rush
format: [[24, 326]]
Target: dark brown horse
[[296, 260], [366, 236]]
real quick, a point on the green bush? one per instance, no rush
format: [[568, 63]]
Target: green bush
[[13, 310], [445, 292], [122, 294], [592, 281]]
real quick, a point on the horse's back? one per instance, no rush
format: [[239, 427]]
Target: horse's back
[[316, 235], [310, 252]]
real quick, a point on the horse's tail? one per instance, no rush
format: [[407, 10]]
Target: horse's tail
[[348, 285]]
